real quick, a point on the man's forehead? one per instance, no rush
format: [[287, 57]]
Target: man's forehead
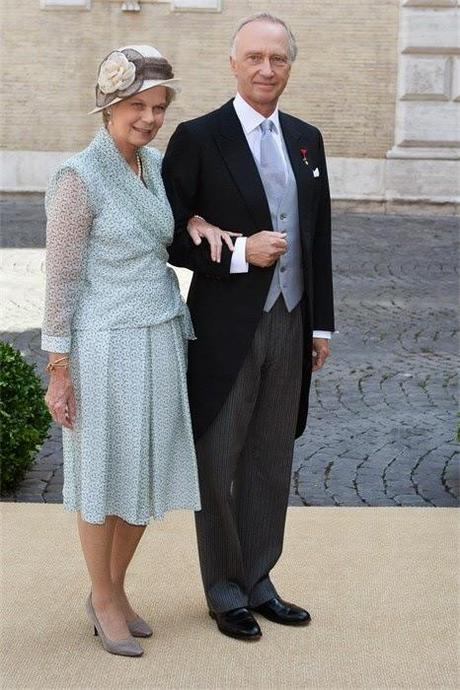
[[262, 36]]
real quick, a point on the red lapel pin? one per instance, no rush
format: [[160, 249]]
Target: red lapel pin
[[304, 155]]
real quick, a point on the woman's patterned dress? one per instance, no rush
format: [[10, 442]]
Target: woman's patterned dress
[[114, 304]]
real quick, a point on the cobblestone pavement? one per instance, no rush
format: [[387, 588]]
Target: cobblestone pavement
[[383, 411]]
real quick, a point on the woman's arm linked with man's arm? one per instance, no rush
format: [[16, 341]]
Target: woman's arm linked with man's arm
[[181, 165]]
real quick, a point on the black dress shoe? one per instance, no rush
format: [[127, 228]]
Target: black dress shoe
[[280, 611], [239, 623]]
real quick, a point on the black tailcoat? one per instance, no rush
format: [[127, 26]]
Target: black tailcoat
[[209, 170]]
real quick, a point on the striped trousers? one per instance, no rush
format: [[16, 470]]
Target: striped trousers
[[245, 463]]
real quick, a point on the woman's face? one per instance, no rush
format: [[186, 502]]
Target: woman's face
[[136, 120]]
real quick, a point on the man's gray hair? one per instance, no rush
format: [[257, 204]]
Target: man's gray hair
[[267, 17]]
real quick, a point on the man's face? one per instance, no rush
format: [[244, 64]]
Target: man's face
[[261, 65]]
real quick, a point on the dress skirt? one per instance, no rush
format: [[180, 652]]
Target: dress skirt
[[131, 452]]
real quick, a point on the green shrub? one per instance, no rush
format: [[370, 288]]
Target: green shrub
[[24, 418]]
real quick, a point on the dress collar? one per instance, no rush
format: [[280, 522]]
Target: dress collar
[[104, 140]]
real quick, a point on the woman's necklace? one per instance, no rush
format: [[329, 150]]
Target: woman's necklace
[[139, 166]]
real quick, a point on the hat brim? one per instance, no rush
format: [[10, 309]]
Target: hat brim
[[173, 84]]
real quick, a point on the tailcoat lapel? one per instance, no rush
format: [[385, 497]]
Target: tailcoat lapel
[[295, 141], [238, 157]]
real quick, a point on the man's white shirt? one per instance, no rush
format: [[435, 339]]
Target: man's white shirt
[[250, 121]]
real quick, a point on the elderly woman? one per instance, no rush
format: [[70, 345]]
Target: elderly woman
[[116, 329]]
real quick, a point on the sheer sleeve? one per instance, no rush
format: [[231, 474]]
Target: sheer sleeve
[[69, 219]]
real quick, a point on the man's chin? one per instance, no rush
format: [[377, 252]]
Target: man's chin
[[266, 95], [266, 99]]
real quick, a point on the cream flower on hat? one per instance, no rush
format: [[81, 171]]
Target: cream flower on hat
[[116, 73]]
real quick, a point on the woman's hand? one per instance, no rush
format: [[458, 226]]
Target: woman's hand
[[60, 398], [198, 228]]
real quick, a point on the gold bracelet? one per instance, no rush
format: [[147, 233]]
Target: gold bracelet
[[61, 359], [61, 363]]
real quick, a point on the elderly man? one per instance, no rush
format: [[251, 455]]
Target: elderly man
[[262, 316]]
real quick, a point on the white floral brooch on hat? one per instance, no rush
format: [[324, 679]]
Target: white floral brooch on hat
[[116, 73], [125, 72]]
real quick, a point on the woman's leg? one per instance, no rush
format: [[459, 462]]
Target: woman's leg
[[126, 537], [97, 542]]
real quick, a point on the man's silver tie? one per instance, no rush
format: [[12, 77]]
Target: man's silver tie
[[271, 163]]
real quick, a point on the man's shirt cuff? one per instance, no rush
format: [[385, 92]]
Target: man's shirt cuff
[[238, 263], [322, 334]]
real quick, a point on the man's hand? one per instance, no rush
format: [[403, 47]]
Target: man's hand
[[265, 247], [320, 352]]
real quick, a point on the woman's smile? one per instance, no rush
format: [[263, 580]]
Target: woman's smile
[[142, 130]]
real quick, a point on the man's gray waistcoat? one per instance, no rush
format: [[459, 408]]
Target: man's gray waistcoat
[[288, 276]]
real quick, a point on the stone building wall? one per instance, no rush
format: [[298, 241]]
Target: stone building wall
[[344, 80], [353, 79]]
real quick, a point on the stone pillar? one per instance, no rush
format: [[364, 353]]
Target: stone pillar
[[423, 164]]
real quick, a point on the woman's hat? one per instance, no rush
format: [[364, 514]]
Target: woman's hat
[[130, 70]]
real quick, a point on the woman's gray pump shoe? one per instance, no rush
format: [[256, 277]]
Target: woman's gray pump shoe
[[127, 647], [139, 628]]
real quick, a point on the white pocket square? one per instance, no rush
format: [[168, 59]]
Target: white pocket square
[[316, 172]]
